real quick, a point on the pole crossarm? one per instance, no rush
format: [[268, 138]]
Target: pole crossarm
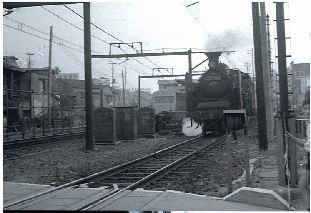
[[158, 69], [142, 55], [163, 76], [129, 44]]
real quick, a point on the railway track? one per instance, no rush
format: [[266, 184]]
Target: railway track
[[44, 139], [134, 174]]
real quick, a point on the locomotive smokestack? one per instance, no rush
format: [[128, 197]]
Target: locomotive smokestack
[[213, 58]]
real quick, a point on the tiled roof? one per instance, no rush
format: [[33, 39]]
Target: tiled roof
[[9, 62]]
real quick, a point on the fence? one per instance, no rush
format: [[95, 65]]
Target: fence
[[27, 114]]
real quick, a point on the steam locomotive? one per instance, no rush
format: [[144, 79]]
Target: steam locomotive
[[218, 89]]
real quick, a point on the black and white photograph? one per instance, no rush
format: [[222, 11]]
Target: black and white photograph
[[156, 106]]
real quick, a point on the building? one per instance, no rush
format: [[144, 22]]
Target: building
[[145, 99], [72, 95], [27, 97], [15, 103], [102, 95], [25, 93], [38, 85], [298, 82], [74, 76], [170, 97], [101, 81]]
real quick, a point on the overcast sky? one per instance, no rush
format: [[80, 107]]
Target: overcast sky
[[160, 26]]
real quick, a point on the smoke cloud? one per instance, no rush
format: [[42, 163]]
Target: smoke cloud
[[239, 40], [231, 39]]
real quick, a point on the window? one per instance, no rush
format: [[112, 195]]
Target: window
[[81, 100], [300, 74], [164, 99], [41, 86]]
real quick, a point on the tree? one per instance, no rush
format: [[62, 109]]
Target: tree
[[55, 71]]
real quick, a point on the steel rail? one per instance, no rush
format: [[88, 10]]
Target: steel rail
[[107, 172], [43, 139], [155, 175], [115, 170]]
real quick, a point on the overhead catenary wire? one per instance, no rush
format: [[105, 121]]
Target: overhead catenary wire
[[71, 24], [113, 37], [196, 14], [63, 42], [58, 40]]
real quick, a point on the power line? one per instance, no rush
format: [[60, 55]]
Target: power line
[[111, 36], [21, 25], [196, 14], [71, 24], [61, 41]]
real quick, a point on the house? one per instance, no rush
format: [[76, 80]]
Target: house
[[145, 99], [16, 94], [72, 96], [170, 97], [38, 78], [25, 93]]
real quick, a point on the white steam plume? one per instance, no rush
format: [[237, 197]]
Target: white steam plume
[[189, 130]]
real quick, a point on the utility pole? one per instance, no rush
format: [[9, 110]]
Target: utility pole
[[125, 78], [112, 81], [266, 74], [112, 73], [123, 89], [270, 63], [251, 52], [89, 114], [286, 148], [29, 54], [49, 79], [247, 65], [261, 110]]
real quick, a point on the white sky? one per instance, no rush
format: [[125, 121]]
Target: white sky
[[158, 25]]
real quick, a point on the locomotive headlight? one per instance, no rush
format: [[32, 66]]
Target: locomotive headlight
[[212, 65]]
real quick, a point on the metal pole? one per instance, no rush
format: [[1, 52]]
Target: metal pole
[[190, 76], [29, 54], [7, 113], [88, 77], [49, 80], [254, 80], [270, 64], [139, 92], [123, 89], [240, 88], [190, 68]]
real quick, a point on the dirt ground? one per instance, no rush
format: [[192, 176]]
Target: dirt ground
[[63, 162]]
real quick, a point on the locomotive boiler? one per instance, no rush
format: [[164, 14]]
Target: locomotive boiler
[[219, 88]]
